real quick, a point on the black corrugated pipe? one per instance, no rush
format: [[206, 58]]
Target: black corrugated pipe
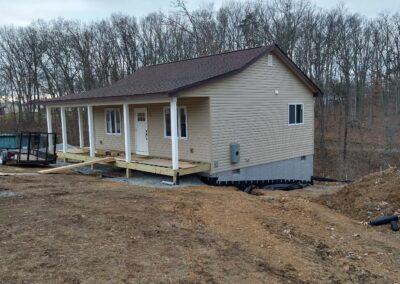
[[384, 220]]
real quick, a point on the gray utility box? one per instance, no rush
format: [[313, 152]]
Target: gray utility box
[[235, 153]]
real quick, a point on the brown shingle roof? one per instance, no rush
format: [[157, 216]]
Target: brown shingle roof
[[171, 77]]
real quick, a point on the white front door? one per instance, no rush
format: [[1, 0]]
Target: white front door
[[141, 131]]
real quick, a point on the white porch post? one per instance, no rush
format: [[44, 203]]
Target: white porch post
[[64, 130], [91, 132], [174, 134], [80, 128], [49, 128], [127, 133]]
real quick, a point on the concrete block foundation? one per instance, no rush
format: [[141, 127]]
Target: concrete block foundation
[[299, 169]]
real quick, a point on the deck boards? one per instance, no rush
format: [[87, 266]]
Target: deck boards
[[145, 163], [167, 163], [160, 162]]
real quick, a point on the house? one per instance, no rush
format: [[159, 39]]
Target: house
[[240, 116]]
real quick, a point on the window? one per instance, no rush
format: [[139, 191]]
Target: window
[[113, 121], [296, 114], [182, 122], [141, 116]]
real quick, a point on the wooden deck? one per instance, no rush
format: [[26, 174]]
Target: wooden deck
[[140, 163]]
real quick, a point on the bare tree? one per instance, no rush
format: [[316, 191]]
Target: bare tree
[[355, 60]]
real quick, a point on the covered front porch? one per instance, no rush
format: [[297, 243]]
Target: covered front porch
[[137, 135]]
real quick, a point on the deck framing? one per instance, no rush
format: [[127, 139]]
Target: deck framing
[[141, 167]]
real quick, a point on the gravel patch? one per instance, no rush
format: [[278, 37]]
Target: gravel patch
[[114, 174]]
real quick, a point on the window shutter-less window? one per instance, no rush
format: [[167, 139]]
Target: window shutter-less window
[[299, 113], [292, 114], [113, 121], [118, 121], [108, 124], [296, 114], [167, 117], [182, 122]]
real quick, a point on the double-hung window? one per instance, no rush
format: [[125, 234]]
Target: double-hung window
[[296, 114], [182, 122], [113, 121]]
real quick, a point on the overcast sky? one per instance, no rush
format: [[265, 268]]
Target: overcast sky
[[22, 12]]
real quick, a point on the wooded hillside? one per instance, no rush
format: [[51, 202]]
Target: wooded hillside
[[354, 59]]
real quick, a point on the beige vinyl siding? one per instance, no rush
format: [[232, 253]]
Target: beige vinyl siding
[[198, 131], [103, 140], [244, 109]]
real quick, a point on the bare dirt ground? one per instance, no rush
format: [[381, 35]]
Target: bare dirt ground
[[71, 228]]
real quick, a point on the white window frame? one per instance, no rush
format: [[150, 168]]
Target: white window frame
[[295, 114], [118, 111], [179, 122]]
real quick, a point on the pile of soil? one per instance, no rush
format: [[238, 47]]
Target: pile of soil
[[372, 196]]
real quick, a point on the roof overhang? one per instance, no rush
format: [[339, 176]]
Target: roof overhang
[[103, 101], [114, 100]]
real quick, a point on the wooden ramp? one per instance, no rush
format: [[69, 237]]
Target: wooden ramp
[[79, 165]]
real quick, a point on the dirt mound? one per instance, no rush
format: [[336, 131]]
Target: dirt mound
[[374, 195]]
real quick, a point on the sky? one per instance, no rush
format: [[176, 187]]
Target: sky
[[22, 12]]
